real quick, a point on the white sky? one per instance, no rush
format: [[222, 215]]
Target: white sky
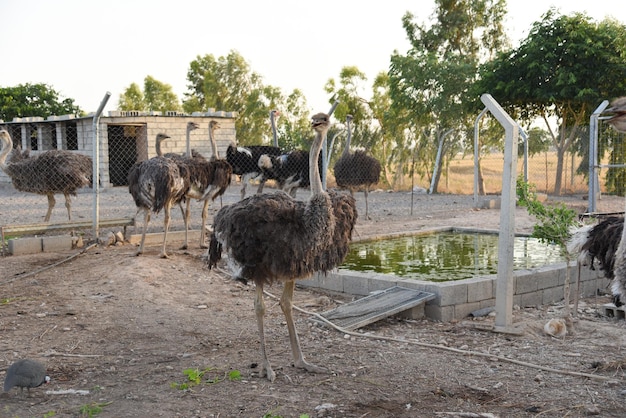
[[84, 49]]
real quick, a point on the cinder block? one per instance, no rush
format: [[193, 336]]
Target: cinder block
[[356, 285], [552, 295], [526, 281], [531, 299], [464, 309], [439, 313], [416, 312], [452, 293], [479, 288], [56, 243], [21, 246]]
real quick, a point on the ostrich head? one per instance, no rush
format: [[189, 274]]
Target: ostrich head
[[213, 125], [618, 120], [192, 126]]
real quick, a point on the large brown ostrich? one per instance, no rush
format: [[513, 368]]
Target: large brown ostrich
[[606, 240], [49, 173], [274, 237], [208, 179], [157, 184], [356, 169]]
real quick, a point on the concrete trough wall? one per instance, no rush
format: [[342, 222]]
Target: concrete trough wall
[[455, 300]]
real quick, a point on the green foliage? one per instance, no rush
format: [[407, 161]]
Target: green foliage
[[555, 221], [49, 414], [428, 86], [207, 376], [156, 96], [553, 74], [92, 409], [228, 83], [26, 100]]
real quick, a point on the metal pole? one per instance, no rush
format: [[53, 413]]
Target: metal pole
[[96, 166], [525, 138], [476, 156], [504, 284], [593, 156]]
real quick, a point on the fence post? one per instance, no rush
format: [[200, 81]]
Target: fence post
[[96, 166], [504, 284], [593, 156]]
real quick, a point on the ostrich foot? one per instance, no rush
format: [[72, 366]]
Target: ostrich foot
[[138, 253], [203, 245], [266, 371], [183, 247], [310, 367], [164, 255]]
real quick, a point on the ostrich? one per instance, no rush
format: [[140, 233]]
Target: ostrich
[[246, 160], [51, 172], [356, 169], [606, 240], [290, 170], [273, 237], [157, 184], [208, 179]]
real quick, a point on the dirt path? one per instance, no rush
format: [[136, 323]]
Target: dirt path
[[125, 329]]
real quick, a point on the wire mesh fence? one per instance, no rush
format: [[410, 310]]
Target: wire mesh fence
[[24, 192]]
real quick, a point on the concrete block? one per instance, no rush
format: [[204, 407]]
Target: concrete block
[[416, 312], [439, 313], [21, 246], [356, 285], [479, 288], [531, 299], [526, 281], [464, 309], [452, 293], [548, 278], [552, 295], [57, 243]]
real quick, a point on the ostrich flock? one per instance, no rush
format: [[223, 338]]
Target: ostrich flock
[[267, 237]]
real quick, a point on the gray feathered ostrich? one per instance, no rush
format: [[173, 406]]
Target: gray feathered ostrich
[[356, 169], [208, 179], [49, 173], [157, 184], [273, 237], [606, 240]]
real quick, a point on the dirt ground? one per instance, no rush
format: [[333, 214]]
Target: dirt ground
[[118, 332]]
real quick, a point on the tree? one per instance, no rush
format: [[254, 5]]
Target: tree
[[132, 98], [228, 83], [156, 96], [429, 85], [26, 100], [564, 68]]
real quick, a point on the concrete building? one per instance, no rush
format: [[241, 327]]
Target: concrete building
[[125, 137]]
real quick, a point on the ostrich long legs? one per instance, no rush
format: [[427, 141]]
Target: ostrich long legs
[[286, 304]]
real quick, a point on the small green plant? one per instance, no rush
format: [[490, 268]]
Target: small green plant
[[92, 409], [49, 414], [554, 225], [206, 375]]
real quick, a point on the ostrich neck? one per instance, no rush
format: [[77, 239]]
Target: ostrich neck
[[346, 150], [159, 152], [213, 143], [314, 170], [188, 144], [274, 134], [7, 146]]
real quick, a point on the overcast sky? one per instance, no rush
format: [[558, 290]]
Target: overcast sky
[[84, 49]]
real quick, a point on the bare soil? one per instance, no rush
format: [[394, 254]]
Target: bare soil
[[118, 331]]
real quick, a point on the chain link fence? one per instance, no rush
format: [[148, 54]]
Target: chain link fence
[[26, 195]]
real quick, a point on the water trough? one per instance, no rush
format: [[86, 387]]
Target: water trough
[[455, 300]]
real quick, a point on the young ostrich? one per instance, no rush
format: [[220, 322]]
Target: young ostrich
[[208, 179], [356, 169], [606, 241], [49, 173], [157, 184], [273, 237]]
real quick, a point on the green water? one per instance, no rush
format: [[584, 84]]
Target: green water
[[445, 256]]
